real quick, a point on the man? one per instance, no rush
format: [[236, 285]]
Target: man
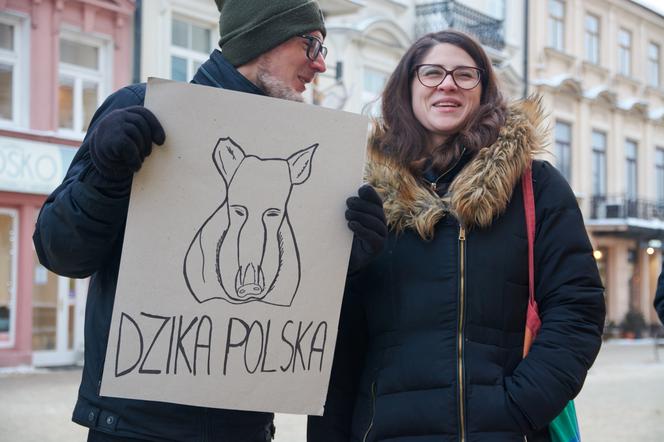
[[269, 47], [659, 296]]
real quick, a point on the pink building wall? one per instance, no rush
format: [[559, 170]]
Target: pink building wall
[[89, 16], [111, 19]]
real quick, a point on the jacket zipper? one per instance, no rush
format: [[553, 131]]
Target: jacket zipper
[[373, 411], [433, 185], [462, 294]]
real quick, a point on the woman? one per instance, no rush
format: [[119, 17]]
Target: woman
[[432, 328]]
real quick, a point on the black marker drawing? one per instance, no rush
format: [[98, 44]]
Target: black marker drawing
[[246, 250]]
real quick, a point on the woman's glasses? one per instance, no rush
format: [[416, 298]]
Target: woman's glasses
[[433, 75]]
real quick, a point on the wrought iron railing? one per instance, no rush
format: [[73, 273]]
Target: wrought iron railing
[[623, 206], [436, 16]]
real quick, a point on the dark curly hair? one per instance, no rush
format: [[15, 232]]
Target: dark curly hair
[[399, 136]]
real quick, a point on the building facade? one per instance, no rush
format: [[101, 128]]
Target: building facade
[[597, 65], [367, 39], [175, 37], [58, 61]]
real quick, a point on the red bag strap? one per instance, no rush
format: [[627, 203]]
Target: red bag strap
[[529, 206], [533, 322]]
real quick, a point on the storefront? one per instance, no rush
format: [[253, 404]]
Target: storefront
[[628, 251], [58, 62], [41, 314]]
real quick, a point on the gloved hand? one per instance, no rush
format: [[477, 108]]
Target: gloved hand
[[122, 140], [366, 219]]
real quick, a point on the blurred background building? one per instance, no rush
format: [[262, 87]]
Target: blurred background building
[[596, 63], [58, 61], [598, 66]]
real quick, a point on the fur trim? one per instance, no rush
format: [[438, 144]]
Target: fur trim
[[479, 193]]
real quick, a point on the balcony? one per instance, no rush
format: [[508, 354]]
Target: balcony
[[626, 216], [440, 15]]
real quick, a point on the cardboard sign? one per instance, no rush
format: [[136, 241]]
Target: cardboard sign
[[235, 253]]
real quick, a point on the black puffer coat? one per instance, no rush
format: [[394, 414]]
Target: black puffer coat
[[431, 336], [79, 233]]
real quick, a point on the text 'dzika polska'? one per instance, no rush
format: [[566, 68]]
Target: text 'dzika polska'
[[151, 344]]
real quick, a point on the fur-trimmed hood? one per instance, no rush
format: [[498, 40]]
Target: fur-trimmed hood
[[478, 194]]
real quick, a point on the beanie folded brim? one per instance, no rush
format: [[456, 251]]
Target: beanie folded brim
[[247, 44]]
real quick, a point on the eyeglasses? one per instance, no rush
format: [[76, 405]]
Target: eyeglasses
[[433, 75], [314, 47]]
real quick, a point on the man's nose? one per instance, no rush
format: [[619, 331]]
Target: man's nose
[[319, 64]]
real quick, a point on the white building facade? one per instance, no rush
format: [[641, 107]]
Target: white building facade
[[597, 63], [366, 39]]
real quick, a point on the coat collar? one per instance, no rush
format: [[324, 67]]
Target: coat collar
[[478, 194], [219, 72]]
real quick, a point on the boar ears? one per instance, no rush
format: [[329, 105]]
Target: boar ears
[[227, 156], [299, 164]]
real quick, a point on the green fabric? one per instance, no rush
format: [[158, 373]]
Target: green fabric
[[565, 428], [249, 28]]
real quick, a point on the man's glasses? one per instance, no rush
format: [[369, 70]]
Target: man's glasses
[[433, 75], [314, 47]]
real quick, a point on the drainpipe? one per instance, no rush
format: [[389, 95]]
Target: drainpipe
[[138, 23], [525, 48]]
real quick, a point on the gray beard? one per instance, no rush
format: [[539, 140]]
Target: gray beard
[[275, 87]]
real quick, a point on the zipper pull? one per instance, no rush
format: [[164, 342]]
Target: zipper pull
[[462, 233], [434, 186]]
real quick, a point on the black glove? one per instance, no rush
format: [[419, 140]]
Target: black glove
[[122, 140], [366, 219]]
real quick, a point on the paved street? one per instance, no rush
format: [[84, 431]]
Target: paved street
[[623, 397], [622, 401]]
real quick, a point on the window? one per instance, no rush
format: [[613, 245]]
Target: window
[[592, 39], [557, 24], [624, 52], [191, 45], [82, 81], [659, 174], [8, 254], [13, 83], [373, 84], [630, 176], [563, 141], [598, 141], [653, 64]]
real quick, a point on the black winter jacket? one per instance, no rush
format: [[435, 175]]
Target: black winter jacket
[[78, 234], [659, 296], [431, 333]]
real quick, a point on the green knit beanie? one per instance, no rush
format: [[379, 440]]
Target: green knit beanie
[[249, 28]]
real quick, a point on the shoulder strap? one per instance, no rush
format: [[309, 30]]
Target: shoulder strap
[[533, 322]]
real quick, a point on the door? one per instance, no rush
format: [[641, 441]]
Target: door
[[57, 318], [8, 255]]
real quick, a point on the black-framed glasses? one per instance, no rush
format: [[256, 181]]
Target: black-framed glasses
[[314, 47], [433, 75]]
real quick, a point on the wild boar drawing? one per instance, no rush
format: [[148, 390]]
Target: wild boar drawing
[[246, 250]]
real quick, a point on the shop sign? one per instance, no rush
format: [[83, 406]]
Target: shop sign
[[32, 167]]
